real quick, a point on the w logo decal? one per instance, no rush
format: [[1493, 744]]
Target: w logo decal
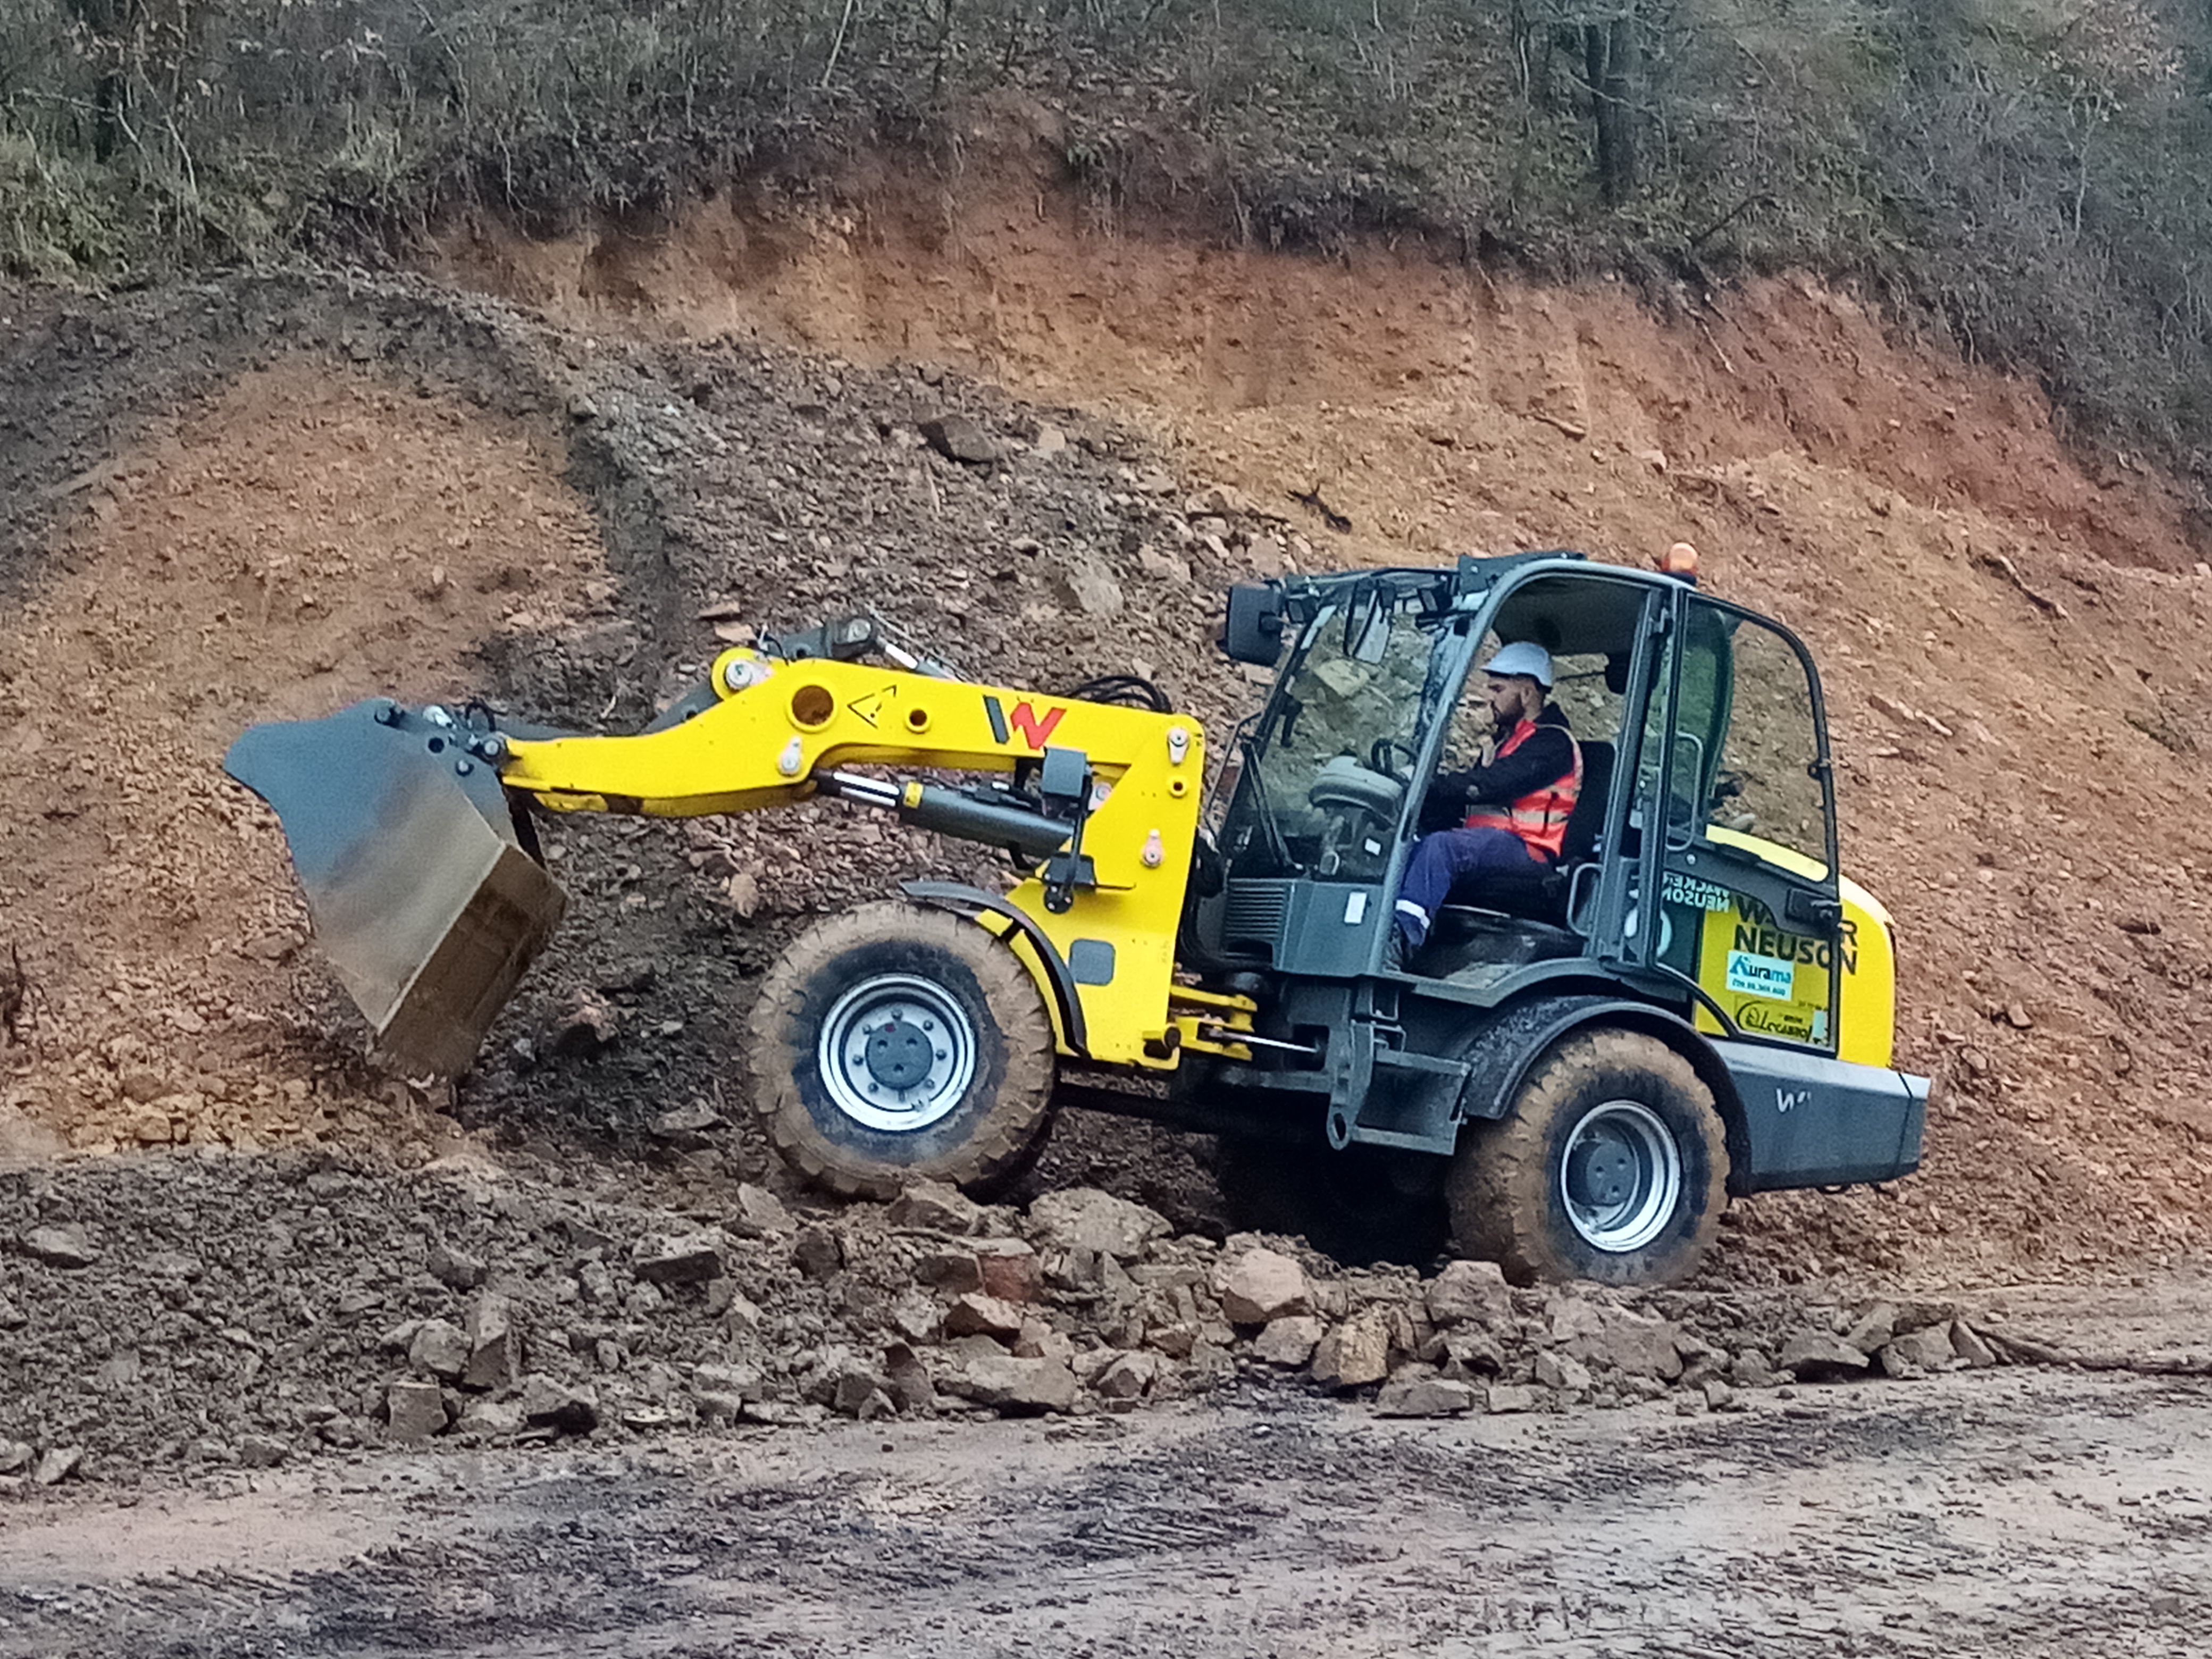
[[1037, 730]]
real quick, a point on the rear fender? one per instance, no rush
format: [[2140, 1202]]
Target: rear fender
[[1501, 1057]]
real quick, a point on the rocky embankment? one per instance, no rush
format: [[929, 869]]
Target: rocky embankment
[[187, 1312]]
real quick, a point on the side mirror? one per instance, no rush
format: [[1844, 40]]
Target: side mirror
[[1253, 631]]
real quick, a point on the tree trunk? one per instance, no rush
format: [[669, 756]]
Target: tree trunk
[[1613, 54]]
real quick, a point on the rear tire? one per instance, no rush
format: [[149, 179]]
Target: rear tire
[[1611, 1166], [896, 1043]]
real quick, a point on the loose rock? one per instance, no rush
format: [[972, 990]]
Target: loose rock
[[1085, 1218], [1259, 1287], [1424, 1396], [60, 1246], [417, 1410], [1815, 1357], [1355, 1353], [1289, 1342], [1470, 1292], [691, 1260]]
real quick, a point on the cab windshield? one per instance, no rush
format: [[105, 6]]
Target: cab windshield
[[1326, 767]]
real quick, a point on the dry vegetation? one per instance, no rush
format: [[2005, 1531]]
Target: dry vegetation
[[2016, 173]]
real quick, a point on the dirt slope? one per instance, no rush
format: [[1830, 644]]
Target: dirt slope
[[2021, 793], [2013, 645]]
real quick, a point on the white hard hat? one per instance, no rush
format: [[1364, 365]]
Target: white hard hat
[[1523, 657]]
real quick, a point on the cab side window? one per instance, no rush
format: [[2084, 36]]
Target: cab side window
[[1767, 781]]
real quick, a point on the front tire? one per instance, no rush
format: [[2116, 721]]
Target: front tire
[[1611, 1166], [896, 1043]]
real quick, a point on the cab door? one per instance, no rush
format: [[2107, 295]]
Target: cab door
[[1734, 771]]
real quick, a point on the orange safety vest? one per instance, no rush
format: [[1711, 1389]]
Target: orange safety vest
[[1539, 817]]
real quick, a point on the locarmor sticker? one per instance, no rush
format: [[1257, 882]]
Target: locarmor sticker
[[1762, 976]]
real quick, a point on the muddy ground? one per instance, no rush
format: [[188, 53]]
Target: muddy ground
[[2035, 1516], [268, 495]]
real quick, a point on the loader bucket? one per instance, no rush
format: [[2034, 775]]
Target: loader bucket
[[423, 899]]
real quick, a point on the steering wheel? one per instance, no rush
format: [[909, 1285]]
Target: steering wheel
[[1379, 754]]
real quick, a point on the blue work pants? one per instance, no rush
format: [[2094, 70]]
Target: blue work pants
[[1444, 859]]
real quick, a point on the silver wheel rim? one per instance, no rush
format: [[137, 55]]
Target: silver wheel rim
[[897, 1054], [1619, 1176]]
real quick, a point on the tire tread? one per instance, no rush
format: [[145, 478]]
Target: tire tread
[[1008, 1133]]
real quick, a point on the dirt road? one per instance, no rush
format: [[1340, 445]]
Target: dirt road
[[2024, 1514]]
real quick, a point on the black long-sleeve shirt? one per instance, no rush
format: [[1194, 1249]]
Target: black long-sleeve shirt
[[1546, 756]]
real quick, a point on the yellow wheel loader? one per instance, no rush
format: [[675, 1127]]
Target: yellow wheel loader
[[1581, 1064]]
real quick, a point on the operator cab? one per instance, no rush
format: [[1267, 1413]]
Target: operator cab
[[1705, 780]]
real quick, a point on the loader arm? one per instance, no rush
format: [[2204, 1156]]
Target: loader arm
[[779, 732], [426, 900]]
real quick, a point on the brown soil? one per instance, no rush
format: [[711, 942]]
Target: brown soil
[[305, 537]]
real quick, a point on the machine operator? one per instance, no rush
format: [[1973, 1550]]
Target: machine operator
[[1515, 799]]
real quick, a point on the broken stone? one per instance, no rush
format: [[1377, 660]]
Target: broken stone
[[1259, 1287], [60, 1246], [417, 1411], [261, 1451], [1078, 582], [1469, 1352], [1563, 1372], [56, 1465], [691, 1260], [15, 1455], [439, 1348], [587, 1028], [856, 1389], [1628, 1343], [756, 1212], [1038, 1341], [978, 1314], [1967, 1342], [1126, 1376], [492, 1417], [737, 1380], [1424, 1396], [1085, 1218], [818, 1252], [1751, 1368], [958, 438], [1813, 1356], [715, 1406], [1014, 1385], [936, 1207], [495, 1344], [1288, 1341], [1928, 1349], [452, 1269], [953, 1272], [1355, 1353], [1503, 1397], [686, 1127], [1175, 1339], [910, 1386], [1010, 1270], [548, 1404], [1470, 1293], [1875, 1328], [917, 1318]]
